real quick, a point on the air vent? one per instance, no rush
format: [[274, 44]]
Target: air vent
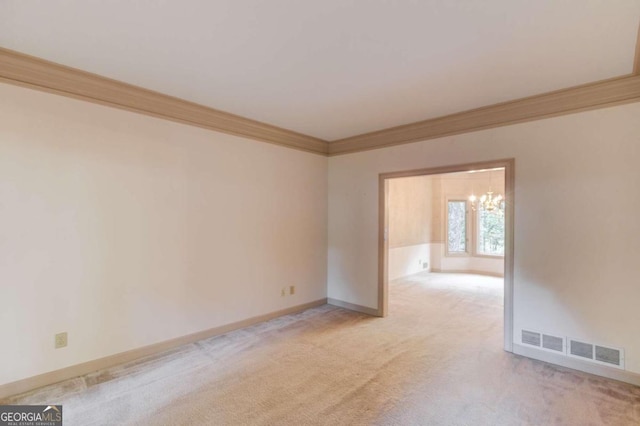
[[612, 357], [581, 349], [553, 343], [609, 356], [531, 338]]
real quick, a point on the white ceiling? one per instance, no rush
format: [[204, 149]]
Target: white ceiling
[[333, 68]]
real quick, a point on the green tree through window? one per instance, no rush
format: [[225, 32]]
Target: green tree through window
[[457, 227], [491, 231]]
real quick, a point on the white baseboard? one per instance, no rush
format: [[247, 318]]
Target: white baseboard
[[78, 370], [577, 364], [353, 307]]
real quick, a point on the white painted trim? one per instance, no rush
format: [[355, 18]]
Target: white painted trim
[[30, 383], [353, 307], [577, 364]]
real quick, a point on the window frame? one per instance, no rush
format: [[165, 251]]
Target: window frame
[[472, 229]]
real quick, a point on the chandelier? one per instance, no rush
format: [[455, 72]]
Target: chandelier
[[489, 202]]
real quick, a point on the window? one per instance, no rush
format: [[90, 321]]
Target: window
[[457, 227], [490, 232], [481, 236]]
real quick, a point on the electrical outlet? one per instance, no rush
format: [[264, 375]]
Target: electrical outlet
[[61, 340], [292, 289], [283, 292], [425, 265]]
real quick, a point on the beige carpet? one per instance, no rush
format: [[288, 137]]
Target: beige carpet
[[436, 360]]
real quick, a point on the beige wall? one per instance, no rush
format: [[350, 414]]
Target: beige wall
[[576, 233], [411, 206], [125, 230], [417, 204]]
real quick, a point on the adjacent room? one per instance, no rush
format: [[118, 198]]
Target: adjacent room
[[450, 222], [320, 213], [446, 245]]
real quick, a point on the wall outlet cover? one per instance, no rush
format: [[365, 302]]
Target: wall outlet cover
[[61, 340]]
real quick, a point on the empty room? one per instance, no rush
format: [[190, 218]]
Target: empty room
[[319, 213], [445, 253]]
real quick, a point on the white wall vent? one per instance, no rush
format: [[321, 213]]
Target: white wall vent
[[609, 356], [580, 349], [543, 341], [576, 348], [553, 343], [612, 357], [531, 338]]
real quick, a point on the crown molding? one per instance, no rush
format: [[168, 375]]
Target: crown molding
[[35, 73], [600, 94], [27, 71]]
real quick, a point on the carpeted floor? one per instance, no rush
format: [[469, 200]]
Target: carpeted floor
[[436, 360]]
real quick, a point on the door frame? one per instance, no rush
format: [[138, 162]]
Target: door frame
[[383, 226]]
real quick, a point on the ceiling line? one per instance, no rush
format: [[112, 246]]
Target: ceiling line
[[601, 94], [27, 71]]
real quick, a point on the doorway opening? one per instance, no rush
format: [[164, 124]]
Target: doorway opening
[[454, 219]]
